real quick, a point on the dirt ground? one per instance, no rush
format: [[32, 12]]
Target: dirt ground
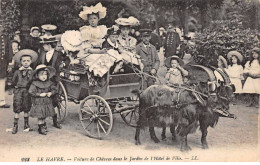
[[231, 140]]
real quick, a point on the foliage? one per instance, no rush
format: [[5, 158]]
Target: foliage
[[10, 15], [220, 38]]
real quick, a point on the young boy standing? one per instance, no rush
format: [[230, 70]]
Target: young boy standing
[[20, 81]]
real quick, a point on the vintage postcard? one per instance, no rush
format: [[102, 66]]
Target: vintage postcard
[[129, 81]]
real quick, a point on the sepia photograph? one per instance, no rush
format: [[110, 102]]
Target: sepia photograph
[[129, 81]]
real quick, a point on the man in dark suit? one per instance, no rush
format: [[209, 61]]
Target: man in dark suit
[[172, 41], [149, 57], [5, 59]]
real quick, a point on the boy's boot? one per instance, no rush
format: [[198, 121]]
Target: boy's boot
[[15, 128], [41, 130], [55, 122], [26, 125]]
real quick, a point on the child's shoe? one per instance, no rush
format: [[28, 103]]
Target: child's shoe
[[15, 128], [41, 130]]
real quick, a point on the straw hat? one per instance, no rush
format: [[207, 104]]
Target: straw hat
[[51, 70], [48, 39], [235, 53], [130, 21], [256, 49], [27, 52], [98, 9], [168, 60], [49, 27], [224, 61]]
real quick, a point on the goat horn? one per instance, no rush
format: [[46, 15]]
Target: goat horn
[[209, 72]]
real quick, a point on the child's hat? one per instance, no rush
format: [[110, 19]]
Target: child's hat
[[113, 31], [235, 53], [25, 52], [224, 61], [256, 49], [168, 60], [98, 9], [34, 28], [49, 69]]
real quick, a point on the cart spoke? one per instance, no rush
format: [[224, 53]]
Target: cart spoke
[[126, 114], [131, 116], [90, 108], [102, 127], [86, 111], [85, 118], [103, 121], [89, 124], [98, 129]]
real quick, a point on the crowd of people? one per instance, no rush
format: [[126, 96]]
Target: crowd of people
[[34, 65]]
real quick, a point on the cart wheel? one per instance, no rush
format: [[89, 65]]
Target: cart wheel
[[62, 103], [96, 116], [131, 116]]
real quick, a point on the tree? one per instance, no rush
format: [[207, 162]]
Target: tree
[[10, 14]]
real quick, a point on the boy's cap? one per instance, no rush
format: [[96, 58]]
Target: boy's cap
[[168, 60], [35, 28], [51, 70], [112, 31], [23, 52], [146, 32]]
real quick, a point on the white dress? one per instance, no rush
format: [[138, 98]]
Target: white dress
[[252, 85], [235, 73]]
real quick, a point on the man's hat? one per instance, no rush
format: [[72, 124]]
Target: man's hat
[[48, 39], [25, 52], [49, 27], [51, 70], [168, 60], [112, 31], [146, 32]]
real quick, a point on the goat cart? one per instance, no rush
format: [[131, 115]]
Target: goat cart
[[112, 95]]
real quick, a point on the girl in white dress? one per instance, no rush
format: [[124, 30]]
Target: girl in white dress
[[235, 71], [252, 72]]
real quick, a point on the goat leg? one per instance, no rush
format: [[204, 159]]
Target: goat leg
[[153, 135], [204, 142], [184, 144], [137, 136], [172, 129], [163, 132]]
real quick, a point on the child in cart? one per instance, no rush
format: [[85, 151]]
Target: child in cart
[[175, 73], [21, 81]]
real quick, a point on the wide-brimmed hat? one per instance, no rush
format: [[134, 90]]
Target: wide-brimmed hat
[[256, 49], [130, 21], [71, 40], [48, 39], [25, 52], [98, 9], [235, 53], [49, 27], [224, 61], [168, 60], [51, 70]]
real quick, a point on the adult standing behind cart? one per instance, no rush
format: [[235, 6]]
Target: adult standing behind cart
[[53, 58], [149, 58]]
